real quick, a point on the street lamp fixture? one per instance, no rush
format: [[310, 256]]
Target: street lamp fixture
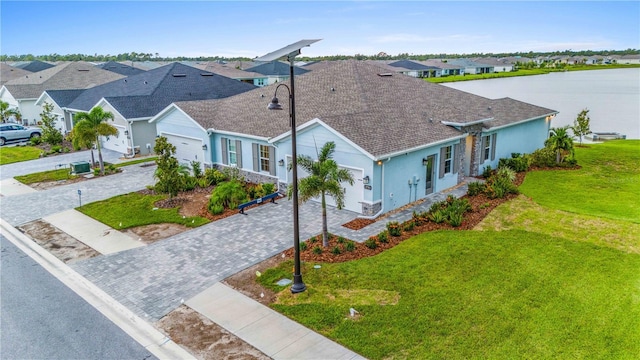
[[289, 53]]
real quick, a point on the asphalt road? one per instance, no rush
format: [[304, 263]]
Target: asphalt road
[[40, 318]]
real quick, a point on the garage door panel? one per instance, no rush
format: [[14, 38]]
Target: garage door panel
[[353, 196], [187, 149], [116, 143]]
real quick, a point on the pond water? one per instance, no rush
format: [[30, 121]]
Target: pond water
[[611, 96]]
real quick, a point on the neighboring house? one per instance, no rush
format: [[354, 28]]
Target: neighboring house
[[273, 72], [402, 138], [137, 98], [472, 67], [446, 68], [499, 65], [8, 73], [23, 92], [629, 59], [120, 68], [33, 66], [416, 69], [59, 99]]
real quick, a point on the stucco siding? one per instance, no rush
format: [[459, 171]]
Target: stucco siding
[[399, 170], [522, 138]]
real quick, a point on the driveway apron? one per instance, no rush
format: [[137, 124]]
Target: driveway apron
[[154, 280]]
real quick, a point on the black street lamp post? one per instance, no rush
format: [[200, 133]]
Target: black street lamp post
[[290, 52]]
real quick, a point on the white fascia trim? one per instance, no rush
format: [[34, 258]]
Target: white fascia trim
[[393, 154], [42, 98], [139, 119], [104, 101], [452, 123], [166, 110], [522, 121], [180, 135], [315, 122], [241, 135]]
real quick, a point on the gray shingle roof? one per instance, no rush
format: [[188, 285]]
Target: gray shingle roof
[[120, 68], [71, 75], [146, 94], [8, 73], [276, 68], [64, 97], [34, 66], [411, 65], [381, 114]]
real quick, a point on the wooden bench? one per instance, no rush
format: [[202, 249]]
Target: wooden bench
[[271, 197]]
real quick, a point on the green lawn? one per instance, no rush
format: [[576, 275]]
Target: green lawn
[[608, 185], [49, 175], [542, 277], [134, 209], [14, 154], [471, 294]]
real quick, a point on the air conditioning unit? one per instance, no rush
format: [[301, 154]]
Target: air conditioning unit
[[80, 167]]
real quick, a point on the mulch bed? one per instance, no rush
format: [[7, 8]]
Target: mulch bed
[[481, 206]]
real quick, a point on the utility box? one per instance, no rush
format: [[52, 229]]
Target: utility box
[[80, 167]]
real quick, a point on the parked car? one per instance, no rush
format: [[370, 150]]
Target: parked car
[[13, 132]]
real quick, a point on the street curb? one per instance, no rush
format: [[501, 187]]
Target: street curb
[[142, 332]]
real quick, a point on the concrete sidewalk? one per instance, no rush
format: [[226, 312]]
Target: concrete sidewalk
[[268, 331], [92, 233], [12, 187]]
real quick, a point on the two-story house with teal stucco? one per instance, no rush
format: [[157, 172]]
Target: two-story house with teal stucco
[[402, 138]]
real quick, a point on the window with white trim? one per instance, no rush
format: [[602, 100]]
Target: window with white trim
[[486, 141], [264, 158], [232, 153], [448, 159]]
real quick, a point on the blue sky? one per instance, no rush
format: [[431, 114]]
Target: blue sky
[[254, 28]]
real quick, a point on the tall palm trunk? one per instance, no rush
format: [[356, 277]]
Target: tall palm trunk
[[325, 231], [100, 156]]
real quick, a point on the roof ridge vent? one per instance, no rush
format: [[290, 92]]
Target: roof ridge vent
[[179, 75], [385, 74]]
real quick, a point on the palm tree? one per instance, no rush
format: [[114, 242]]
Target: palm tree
[[6, 112], [560, 142], [89, 127], [324, 179]]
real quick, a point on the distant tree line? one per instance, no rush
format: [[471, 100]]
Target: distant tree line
[[135, 56]]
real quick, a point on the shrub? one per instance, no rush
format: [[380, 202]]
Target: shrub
[[350, 246], [259, 191], [216, 209], [269, 188], [214, 176], [196, 169], [455, 219], [56, 149], [251, 192], [303, 246], [544, 157], [501, 183], [475, 188], [317, 250], [313, 239], [383, 237], [189, 183], [336, 250], [517, 162], [371, 243], [394, 228], [35, 141], [409, 225], [203, 182], [340, 240], [437, 216], [486, 173], [228, 194]]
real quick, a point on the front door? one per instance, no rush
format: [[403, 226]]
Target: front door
[[430, 174]]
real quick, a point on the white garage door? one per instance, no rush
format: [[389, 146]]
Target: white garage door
[[116, 143], [353, 193], [187, 149]]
